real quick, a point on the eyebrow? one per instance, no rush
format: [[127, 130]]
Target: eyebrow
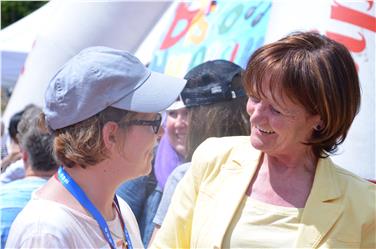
[[280, 105]]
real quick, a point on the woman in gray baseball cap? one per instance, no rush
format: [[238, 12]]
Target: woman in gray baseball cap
[[103, 108]]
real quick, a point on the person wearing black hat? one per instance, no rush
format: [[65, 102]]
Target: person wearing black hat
[[102, 108], [212, 96]]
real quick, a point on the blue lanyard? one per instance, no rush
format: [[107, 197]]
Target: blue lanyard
[[80, 195]]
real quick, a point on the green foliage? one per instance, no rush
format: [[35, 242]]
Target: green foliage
[[12, 11]]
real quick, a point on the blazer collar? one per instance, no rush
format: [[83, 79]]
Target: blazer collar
[[239, 172], [324, 206]]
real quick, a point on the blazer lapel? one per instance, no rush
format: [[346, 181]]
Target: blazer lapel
[[323, 207], [238, 174]]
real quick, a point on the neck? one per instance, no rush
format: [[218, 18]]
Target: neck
[[298, 161], [38, 173], [283, 182], [97, 185]]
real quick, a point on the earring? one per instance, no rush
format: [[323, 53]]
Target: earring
[[318, 128]]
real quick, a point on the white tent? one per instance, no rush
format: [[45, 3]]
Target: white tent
[[16, 42], [62, 29]]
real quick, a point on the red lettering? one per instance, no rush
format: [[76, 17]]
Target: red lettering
[[182, 13], [345, 14], [370, 4]]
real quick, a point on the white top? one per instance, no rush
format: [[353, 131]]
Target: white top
[[261, 225], [48, 224]]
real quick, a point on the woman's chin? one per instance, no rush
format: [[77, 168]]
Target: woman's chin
[[257, 144]]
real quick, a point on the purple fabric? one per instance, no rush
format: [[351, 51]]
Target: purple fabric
[[166, 161]]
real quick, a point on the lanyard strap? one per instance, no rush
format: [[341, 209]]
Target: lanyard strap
[[127, 237], [80, 195]]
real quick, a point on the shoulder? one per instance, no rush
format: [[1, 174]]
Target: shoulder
[[45, 213], [357, 192], [215, 145], [354, 183], [17, 193], [40, 219], [223, 149], [178, 172], [216, 155], [219, 151], [173, 179], [28, 183]]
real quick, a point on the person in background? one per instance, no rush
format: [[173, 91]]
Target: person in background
[[171, 150], [37, 156], [102, 108], [13, 152], [215, 96], [13, 163], [12, 166], [278, 187], [4, 149], [143, 194]]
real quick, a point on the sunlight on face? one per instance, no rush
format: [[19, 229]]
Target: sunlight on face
[[138, 145], [176, 128], [279, 128]]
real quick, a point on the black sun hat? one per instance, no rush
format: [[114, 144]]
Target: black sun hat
[[210, 82]]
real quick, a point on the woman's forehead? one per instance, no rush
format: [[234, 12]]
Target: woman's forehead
[[278, 96]]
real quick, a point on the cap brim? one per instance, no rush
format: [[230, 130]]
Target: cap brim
[[157, 93], [176, 106]]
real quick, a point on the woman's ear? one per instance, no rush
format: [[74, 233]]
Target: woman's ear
[[109, 134]]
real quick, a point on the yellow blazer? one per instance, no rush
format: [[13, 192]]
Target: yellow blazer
[[339, 213]]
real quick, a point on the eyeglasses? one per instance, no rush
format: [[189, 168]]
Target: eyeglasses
[[155, 124]]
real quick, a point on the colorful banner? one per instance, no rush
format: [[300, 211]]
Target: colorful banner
[[207, 30]]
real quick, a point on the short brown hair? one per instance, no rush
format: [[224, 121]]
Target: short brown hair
[[82, 143], [315, 72]]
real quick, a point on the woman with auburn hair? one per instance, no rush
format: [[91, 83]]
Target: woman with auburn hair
[[278, 187], [103, 109]]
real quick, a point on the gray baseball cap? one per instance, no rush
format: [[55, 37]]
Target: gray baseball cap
[[99, 77]]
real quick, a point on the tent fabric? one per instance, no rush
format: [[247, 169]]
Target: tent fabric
[[68, 27], [16, 41]]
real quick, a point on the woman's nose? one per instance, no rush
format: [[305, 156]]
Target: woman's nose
[[256, 111]]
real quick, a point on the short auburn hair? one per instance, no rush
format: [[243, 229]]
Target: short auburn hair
[[315, 72], [82, 143]]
